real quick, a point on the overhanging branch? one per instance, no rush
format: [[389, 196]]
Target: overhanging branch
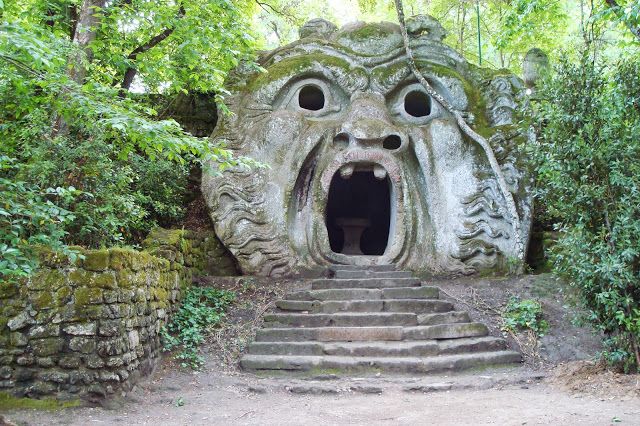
[[131, 71]]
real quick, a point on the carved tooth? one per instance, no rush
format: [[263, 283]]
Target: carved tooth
[[346, 171], [379, 172]]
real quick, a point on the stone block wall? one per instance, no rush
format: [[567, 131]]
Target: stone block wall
[[91, 328]]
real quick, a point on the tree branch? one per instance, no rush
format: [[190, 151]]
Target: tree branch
[[131, 71], [617, 9], [272, 9], [495, 167]]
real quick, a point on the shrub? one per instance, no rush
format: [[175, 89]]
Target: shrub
[[524, 315], [201, 309], [29, 217], [589, 179]]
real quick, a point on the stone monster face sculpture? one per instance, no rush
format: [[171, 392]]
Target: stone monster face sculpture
[[364, 167]]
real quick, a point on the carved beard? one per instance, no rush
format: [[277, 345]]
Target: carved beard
[[357, 138]]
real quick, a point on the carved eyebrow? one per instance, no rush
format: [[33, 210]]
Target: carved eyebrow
[[384, 78], [333, 69]]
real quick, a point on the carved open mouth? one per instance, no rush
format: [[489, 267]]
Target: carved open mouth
[[359, 210]]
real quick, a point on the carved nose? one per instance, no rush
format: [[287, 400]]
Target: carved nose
[[370, 133], [391, 142], [367, 124]]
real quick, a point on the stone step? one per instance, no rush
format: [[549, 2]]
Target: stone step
[[382, 333], [443, 318], [418, 306], [351, 319], [363, 268], [445, 331], [370, 274], [328, 334], [322, 284], [393, 364], [366, 294], [380, 349]]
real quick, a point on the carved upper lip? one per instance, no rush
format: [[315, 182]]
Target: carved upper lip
[[349, 160]]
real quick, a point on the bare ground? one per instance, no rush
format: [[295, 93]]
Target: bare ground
[[557, 384]]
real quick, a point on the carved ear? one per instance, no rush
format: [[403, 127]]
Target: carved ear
[[426, 26], [317, 28]]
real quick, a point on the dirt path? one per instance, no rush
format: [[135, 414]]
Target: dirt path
[[512, 397], [515, 396]]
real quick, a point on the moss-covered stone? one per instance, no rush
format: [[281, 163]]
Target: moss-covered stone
[[8, 289], [47, 279], [106, 280], [121, 258], [87, 295], [46, 347], [164, 237], [62, 296], [80, 277], [296, 65], [142, 261], [76, 307], [96, 260], [42, 300]]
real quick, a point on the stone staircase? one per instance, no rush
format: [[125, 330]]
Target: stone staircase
[[373, 319]]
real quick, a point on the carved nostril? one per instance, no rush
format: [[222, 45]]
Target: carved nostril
[[392, 142], [341, 140]]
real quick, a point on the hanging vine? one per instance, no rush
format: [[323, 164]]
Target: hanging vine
[[484, 144]]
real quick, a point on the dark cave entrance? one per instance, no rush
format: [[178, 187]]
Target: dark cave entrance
[[358, 214]]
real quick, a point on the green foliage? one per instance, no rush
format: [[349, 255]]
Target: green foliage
[[589, 182], [82, 161], [201, 310], [524, 315], [29, 217]]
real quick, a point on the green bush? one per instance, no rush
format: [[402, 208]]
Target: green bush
[[29, 217], [121, 200], [589, 181], [201, 309], [524, 315]]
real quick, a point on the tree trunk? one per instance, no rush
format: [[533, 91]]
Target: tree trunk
[[85, 32], [508, 197]]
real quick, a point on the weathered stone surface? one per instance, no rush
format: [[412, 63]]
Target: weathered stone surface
[[340, 110], [18, 339], [54, 376], [69, 361], [6, 372], [47, 347], [48, 330], [20, 321], [84, 345], [81, 329]]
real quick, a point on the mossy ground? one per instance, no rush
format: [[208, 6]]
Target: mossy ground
[[10, 402]]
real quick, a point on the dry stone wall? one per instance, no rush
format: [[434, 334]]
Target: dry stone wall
[[91, 328]]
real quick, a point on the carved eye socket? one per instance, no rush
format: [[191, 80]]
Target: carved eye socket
[[311, 97], [417, 104]]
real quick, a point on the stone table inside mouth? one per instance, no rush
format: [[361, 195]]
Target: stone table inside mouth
[[353, 227]]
